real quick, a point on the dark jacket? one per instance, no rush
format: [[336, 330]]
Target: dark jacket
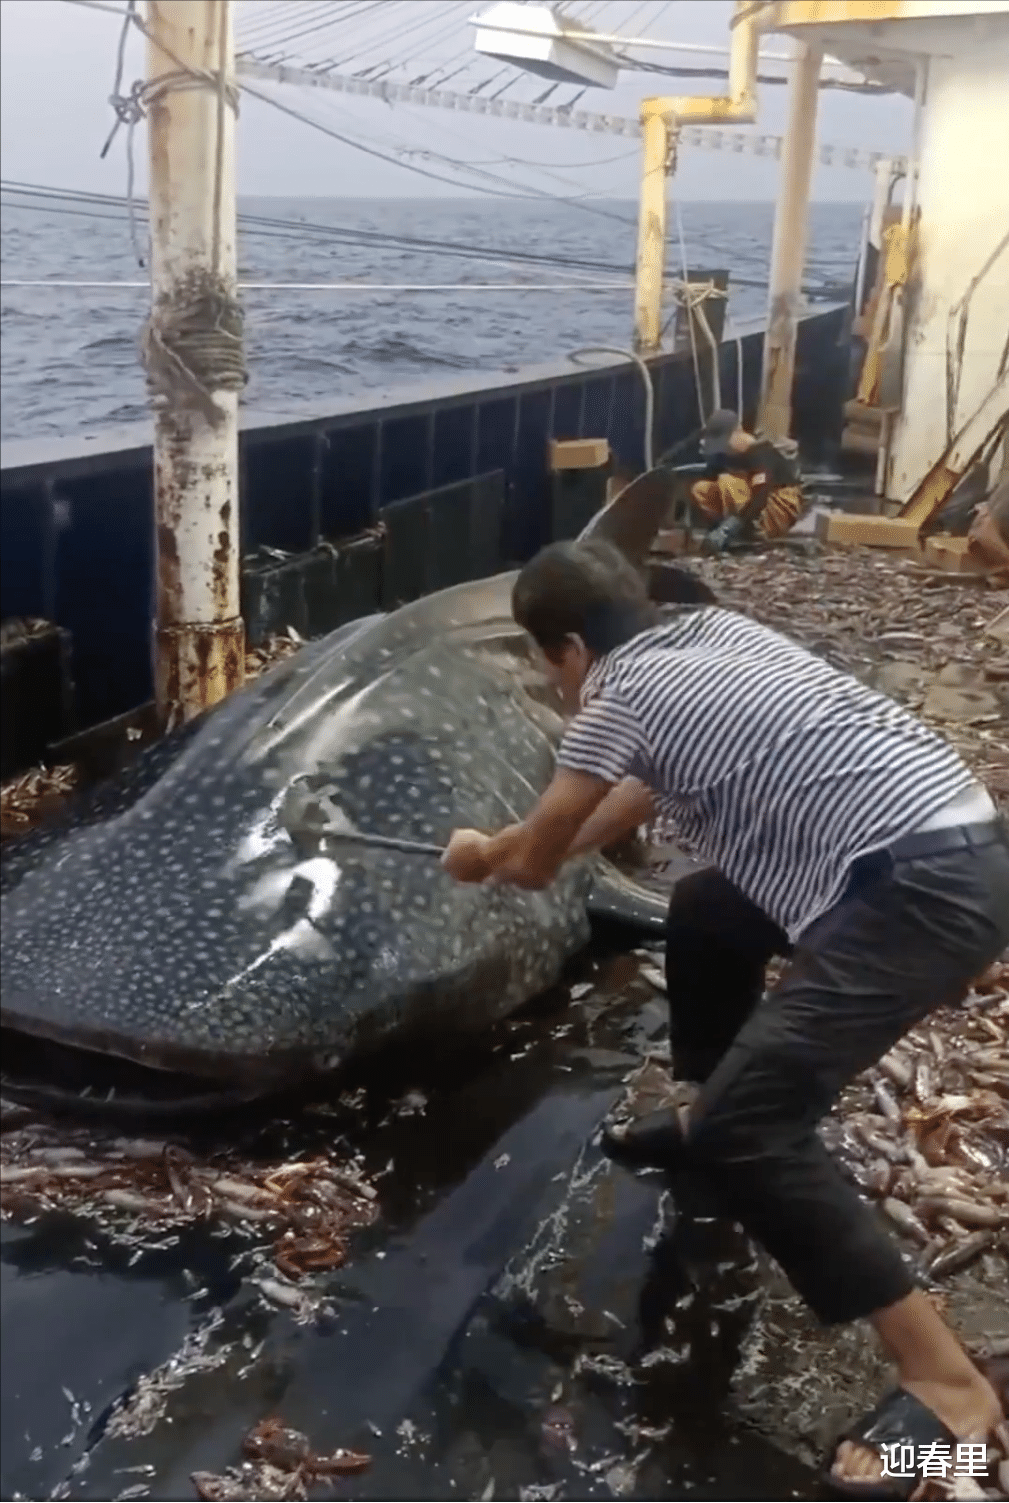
[[762, 458]]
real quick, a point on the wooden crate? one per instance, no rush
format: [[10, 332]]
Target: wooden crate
[[951, 553], [672, 540], [579, 453], [848, 530], [618, 481]]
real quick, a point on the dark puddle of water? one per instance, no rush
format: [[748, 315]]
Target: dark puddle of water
[[516, 1320]]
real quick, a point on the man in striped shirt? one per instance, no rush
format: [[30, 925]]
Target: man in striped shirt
[[844, 833]]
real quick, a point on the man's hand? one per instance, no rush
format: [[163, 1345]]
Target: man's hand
[[471, 856], [465, 856], [528, 854]]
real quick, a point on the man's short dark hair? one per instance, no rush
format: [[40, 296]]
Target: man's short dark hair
[[589, 590]]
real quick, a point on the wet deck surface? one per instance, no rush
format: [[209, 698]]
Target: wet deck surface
[[488, 1329]]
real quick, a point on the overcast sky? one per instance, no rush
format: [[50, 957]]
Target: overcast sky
[[57, 64]]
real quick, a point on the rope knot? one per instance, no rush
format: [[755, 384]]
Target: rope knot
[[192, 347], [129, 109]]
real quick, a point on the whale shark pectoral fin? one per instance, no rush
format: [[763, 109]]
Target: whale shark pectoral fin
[[639, 902], [633, 518]]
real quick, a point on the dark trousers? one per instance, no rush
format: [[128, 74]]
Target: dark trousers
[[910, 934]]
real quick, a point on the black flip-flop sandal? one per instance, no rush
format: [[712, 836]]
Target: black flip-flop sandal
[[898, 1419]]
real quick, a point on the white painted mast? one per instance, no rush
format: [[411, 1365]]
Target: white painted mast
[[194, 354]]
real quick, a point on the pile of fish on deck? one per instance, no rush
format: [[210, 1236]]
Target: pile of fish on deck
[[28, 798], [937, 643], [298, 1214], [278, 1462], [926, 1132]]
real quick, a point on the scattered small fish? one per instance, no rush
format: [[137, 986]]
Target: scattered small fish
[[923, 1082], [903, 1217], [966, 1211], [280, 1294], [887, 1101], [129, 1200], [959, 1254], [897, 1068]]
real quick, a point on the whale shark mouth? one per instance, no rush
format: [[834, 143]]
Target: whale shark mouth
[[74, 1080]]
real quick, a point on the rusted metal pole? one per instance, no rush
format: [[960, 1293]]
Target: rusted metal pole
[[788, 253], [193, 352]]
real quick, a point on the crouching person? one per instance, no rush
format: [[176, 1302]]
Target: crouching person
[[841, 829], [750, 491]]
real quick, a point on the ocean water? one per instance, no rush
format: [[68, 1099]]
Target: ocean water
[[70, 361]]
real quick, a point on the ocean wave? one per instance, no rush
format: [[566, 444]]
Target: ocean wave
[[114, 342], [400, 351], [71, 361]]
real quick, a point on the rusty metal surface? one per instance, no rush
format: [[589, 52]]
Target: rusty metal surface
[[193, 354], [200, 634], [197, 666]]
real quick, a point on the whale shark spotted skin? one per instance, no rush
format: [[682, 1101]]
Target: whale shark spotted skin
[[208, 920], [217, 925]]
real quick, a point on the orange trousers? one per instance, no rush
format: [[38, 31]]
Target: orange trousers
[[727, 496]]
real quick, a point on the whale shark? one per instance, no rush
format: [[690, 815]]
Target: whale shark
[[219, 912]]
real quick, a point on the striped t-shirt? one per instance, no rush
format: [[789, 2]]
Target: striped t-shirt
[[773, 765]]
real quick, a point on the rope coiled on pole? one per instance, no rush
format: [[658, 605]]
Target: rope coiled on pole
[[192, 346]]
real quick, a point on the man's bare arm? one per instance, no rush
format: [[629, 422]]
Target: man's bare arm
[[531, 854], [627, 806], [624, 808]]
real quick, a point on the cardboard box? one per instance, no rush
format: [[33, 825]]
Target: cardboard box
[[848, 530], [579, 453], [672, 540], [951, 553]]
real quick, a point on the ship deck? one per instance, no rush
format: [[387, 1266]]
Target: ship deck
[[512, 1319]]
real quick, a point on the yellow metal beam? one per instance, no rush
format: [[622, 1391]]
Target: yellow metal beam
[[781, 15], [788, 253], [656, 136], [660, 123]]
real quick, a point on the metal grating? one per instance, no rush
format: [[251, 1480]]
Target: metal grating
[[442, 538]]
